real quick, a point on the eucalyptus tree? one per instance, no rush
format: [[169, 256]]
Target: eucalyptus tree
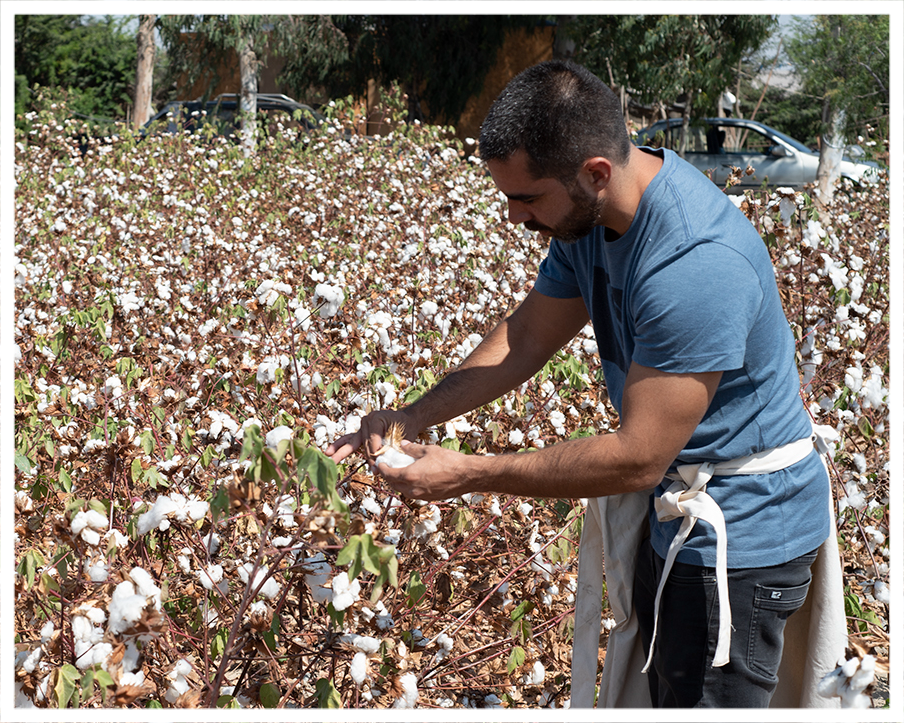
[[144, 74], [843, 62], [199, 45], [660, 58]]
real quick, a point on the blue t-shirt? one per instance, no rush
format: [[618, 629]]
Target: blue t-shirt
[[690, 288]]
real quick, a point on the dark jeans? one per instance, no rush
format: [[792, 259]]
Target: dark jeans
[[761, 599]]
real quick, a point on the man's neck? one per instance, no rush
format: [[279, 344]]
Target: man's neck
[[624, 197]]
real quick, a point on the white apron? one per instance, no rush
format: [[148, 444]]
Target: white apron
[[815, 636]]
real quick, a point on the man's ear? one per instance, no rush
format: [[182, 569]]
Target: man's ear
[[597, 172]]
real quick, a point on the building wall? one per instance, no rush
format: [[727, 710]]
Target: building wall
[[522, 48]]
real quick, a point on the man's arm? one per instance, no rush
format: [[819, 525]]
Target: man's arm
[[516, 349], [660, 413]]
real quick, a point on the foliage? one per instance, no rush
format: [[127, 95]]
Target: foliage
[[91, 59], [199, 46], [843, 61], [193, 327], [664, 57], [441, 60]]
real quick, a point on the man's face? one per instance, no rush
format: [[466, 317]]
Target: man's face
[[545, 205]]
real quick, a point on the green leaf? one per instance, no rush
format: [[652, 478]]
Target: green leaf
[[207, 455], [269, 695], [323, 474], [65, 480], [227, 701], [23, 464], [327, 695], [461, 520], [523, 609], [67, 680], [516, 659], [104, 680], [29, 565], [137, 470], [219, 503], [218, 644], [147, 441], [23, 391], [416, 589]]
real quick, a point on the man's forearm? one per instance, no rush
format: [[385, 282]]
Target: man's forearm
[[515, 350], [492, 370]]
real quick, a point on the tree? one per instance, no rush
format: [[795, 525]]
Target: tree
[[843, 62], [91, 59], [199, 45], [440, 60], [663, 57], [144, 75]]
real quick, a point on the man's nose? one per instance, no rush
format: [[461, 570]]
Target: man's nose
[[518, 212]]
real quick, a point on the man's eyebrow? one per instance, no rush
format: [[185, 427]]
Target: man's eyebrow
[[521, 196]]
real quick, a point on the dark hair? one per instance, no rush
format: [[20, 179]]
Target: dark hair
[[561, 114]]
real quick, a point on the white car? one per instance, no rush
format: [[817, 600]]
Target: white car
[[714, 145]]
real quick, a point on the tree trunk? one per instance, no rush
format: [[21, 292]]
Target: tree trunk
[[831, 149], [563, 45], [831, 146], [144, 77], [685, 124], [248, 70]]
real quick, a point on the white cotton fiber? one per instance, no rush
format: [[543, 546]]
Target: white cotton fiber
[[410, 694], [358, 668]]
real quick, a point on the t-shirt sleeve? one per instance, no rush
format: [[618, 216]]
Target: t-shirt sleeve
[[556, 276], [695, 313]]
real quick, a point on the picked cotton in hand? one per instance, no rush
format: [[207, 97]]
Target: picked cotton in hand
[[394, 458]]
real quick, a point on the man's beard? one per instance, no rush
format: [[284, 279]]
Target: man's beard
[[584, 217]]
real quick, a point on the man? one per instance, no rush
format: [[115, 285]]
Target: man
[[698, 360]]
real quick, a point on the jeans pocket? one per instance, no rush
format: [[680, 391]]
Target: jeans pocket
[[772, 606]]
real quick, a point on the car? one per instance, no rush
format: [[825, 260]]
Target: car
[[222, 112], [714, 145]]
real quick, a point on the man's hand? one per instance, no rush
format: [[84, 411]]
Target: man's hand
[[437, 473], [374, 427]]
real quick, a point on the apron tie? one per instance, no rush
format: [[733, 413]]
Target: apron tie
[[686, 498]]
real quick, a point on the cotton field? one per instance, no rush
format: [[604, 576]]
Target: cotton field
[[192, 328]]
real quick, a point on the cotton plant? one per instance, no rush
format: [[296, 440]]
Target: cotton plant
[[333, 283], [850, 681]]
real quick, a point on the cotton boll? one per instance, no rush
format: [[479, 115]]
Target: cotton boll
[[97, 571], [87, 524], [270, 589], [317, 577], [125, 607], [394, 458], [275, 436], [179, 684], [536, 676], [410, 695], [333, 298], [358, 668], [882, 592], [210, 576], [362, 643], [345, 593]]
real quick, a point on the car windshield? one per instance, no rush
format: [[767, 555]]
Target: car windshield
[[697, 141], [797, 145]]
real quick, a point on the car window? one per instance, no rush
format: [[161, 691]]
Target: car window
[[745, 140], [671, 138]]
